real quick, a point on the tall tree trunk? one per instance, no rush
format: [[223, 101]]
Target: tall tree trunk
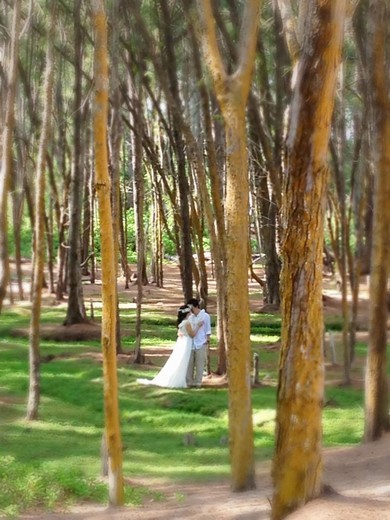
[[341, 251], [92, 224], [39, 230], [267, 209], [185, 227], [232, 93], [297, 464], [123, 236], [139, 196], [212, 205], [6, 162], [17, 213], [376, 395], [157, 244], [115, 140], [61, 200], [49, 245], [76, 309], [86, 232], [109, 267]]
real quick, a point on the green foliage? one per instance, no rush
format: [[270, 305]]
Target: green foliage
[[26, 233], [37, 486], [23, 487], [335, 323], [169, 246]]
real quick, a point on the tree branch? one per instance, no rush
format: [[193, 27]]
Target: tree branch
[[247, 45], [290, 29], [210, 45]]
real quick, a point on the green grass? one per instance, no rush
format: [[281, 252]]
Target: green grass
[[61, 451]]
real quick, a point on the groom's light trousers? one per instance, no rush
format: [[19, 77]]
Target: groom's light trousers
[[197, 361]]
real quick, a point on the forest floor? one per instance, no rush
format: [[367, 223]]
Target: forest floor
[[359, 475]]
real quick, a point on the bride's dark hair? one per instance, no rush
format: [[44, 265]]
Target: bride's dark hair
[[182, 313]]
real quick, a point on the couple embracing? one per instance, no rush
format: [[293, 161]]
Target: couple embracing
[[185, 365]]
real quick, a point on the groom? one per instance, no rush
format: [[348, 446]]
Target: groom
[[200, 343]]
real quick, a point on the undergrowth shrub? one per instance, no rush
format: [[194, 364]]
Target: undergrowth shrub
[[29, 487]]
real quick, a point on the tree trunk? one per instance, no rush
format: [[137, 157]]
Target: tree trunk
[[139, 196], [232, 93], [86, 233], [212, 205], [376, 394], [17, 213], [341, 251], [49, 245], [185, 225], [76, 309], [297, 464], [92, 191], [115, 147], [267, 210], [61, 201], [39, 231], [109, 287], [157, 243], [6, 162]]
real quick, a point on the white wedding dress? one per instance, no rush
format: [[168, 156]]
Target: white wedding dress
[[173, 373]]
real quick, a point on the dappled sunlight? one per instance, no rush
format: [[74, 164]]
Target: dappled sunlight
[[184, 471], [47, 426], [263, 339], [262, 417]]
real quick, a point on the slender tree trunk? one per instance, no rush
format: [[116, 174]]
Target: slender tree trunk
[[297, 464], [267, 210], [200, 264], [17, 213], [157, 244], [123, 236], [212, 206], [109, 285], [6, 162], [139, 196], [49, 244], [341, 255], [376, 395], [61, 200], [185, 225], [76, 309], [115, 147], [86, 233], [39, 231], [92, 192]]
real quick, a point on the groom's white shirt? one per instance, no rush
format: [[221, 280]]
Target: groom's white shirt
[[204, 332]]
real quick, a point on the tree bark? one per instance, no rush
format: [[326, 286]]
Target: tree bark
[[116, 132], [6, 162], [17, 213], [76, 309], [376, 389], [139, 199], [39, 231], [232, 93], [297, 464], [109, 267], [212, 204], [182, 180]]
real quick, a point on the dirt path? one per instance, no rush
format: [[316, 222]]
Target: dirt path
[[360, 476]]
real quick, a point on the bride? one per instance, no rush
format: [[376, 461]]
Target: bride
[[173, 373]]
